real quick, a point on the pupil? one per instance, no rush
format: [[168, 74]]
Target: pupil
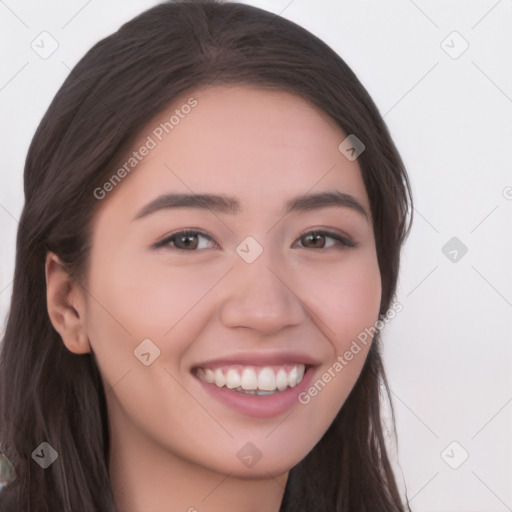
[[188, 240], [316, 238]]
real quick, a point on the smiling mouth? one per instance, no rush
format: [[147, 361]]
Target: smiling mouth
[[254, 380]]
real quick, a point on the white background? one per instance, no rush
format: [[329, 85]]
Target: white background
[[448, 352]]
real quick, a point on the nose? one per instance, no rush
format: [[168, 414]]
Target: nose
[[260, 297]]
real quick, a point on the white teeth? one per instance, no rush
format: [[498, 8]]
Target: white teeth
[[266, 382], [292, 377], [281, 380], [267, 379], [219, 378], [249, 379], [233, 379], [300, 372], [295, 376]]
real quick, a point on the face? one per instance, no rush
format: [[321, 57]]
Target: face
[[211, 343]]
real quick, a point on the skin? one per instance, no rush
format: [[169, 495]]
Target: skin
[[173, 446]]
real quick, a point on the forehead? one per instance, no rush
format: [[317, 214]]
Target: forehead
[[255, 143]]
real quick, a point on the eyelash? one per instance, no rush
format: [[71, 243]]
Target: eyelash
[[343, 241]]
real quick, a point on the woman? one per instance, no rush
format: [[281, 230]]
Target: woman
[[213, 217]]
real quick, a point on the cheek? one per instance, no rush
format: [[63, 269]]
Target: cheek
[[131, 303], [357, 303], [133, 300], [347, 303], [149, 298], [346, 297]]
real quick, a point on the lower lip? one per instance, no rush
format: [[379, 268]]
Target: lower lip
[[260, 406]]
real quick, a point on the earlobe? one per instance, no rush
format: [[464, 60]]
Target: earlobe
[[66, 305]]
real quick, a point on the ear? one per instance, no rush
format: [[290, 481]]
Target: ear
[[66, 305]]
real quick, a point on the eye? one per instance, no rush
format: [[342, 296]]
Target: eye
[[317, 240], [188, 240]]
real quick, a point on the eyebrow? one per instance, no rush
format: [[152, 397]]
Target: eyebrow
[[231, 205]]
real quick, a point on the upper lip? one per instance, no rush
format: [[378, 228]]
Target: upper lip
[[260, 359]]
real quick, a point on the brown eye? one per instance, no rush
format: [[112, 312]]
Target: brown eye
[[315, 241], [186, 241], [319, 240]]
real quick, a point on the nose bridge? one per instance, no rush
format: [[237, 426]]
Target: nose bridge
[[258, 295]]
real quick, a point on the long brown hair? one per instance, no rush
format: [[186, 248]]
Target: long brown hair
[[47, 393]]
